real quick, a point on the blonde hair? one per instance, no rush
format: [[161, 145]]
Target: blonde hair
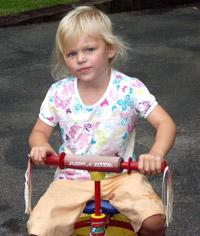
[[83, 20]]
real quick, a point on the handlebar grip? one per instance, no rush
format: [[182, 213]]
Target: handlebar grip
[[56, 160], [163, 166], [52, 160], [133, 165]]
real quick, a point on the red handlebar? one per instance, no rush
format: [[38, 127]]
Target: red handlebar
[[105, 165]]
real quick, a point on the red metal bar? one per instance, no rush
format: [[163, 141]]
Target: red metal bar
[[121, 224], [130, 165], [81, 224], [60, 160], [97, 186]]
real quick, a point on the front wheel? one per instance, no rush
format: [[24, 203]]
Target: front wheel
[[114, 230]]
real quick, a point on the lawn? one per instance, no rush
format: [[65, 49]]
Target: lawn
[[11, 7]]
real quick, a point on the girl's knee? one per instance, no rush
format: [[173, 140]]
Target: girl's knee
[[154, 223]]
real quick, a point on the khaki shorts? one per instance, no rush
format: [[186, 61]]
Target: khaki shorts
[[64, 201]]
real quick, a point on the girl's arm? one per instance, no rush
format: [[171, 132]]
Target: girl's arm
[[150, 163], [39, 142]]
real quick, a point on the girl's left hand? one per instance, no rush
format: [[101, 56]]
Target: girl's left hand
[[150, 164]]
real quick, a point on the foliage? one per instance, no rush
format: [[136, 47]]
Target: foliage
[[10, 7]]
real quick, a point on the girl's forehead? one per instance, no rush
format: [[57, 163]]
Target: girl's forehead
[[82, 41]]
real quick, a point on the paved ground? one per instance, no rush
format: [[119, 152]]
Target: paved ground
[[165, 56]]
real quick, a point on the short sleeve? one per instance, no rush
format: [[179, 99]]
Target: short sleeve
[[144, 101], [47, 110]]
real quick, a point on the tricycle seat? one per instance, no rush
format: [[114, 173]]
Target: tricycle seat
[[106, 208]]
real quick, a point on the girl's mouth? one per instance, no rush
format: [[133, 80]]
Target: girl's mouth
[[84, 69]]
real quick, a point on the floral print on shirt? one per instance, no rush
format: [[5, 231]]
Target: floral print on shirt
[[103, 128]]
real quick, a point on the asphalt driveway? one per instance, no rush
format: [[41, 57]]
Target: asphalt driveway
[[165, 56]]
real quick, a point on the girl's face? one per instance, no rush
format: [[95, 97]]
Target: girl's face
[[88, 59]]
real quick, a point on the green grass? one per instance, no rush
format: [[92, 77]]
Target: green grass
[[12, 7]]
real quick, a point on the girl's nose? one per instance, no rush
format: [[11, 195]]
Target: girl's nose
[[81, 57]]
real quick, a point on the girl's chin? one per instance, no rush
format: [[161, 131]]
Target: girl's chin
[[85, 77]]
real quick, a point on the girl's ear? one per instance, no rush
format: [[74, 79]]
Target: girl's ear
[[111, 52]]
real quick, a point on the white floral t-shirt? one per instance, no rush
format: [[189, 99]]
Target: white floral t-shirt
[[104, 128]]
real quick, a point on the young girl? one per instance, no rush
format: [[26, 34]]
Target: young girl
[[96, 108]]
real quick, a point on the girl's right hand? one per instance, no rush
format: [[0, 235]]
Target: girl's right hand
[[38, 154]]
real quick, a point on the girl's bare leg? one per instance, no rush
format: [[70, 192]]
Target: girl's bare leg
[[153, 226]]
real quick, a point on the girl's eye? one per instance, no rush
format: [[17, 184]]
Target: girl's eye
[[71, 54], [90, 49]]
